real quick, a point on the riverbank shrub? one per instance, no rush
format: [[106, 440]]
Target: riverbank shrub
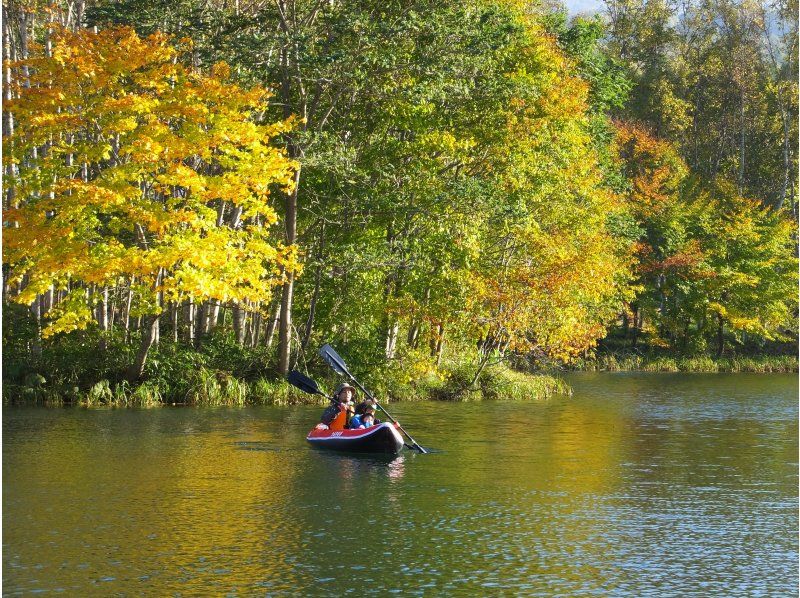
[[213, 388], [698, 364], [221, 375], [507, 384], [453, 381], [279, 392]]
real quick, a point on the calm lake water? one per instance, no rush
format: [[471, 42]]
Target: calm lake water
[[639, 485]]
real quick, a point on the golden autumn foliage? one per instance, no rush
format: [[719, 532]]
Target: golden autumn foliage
[[653, 167], [706, 255], [551, 274], [127, 165]]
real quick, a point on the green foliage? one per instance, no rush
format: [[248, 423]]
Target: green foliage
[[707, 258], [280, 392], [719, 79], [214, 388], [626, 362], [451, 381], [480, 185]]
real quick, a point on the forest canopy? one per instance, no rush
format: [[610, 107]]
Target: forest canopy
[[433, 185]]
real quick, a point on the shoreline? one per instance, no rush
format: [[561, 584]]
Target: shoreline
[[754, 364], [216, 388]]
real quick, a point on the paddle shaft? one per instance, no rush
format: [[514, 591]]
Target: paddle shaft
[[330, 355], [394, 421]]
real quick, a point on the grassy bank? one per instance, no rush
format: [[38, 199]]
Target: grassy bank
[[660, 363], [223, 374], [451, 382]]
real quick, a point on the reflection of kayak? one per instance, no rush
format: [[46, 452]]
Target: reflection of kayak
[[382, 438]]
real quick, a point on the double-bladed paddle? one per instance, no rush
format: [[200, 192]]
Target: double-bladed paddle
[[305, 384], [339, 366]]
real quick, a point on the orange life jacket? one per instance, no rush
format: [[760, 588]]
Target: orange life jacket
[[342, 418]]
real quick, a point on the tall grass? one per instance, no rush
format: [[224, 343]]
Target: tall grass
[[280, 392], [703, 363], [215, 388], [452, 383]]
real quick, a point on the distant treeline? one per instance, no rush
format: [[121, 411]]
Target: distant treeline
[[484, 181]]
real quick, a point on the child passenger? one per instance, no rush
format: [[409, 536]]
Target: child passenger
[[365, 420]]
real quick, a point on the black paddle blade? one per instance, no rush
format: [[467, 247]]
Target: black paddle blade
[[333, 359], [415, 447], [304, 383]]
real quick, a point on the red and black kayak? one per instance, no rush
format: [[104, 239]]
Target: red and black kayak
[[381, 438]]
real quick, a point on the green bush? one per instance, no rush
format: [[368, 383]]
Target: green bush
[[612, 362], [507, 384], [280, 392], [215, 388], [451, 382], [661, 364]]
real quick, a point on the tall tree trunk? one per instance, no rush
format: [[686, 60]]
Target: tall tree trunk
[[48, 300], [23, 44], [272, 325], [127, 315], [285, 324], [174, 318], [8, 117], [312, 308], [212, 320], [484, 360], [102, 318], [190, 323], [149, 335], [625, 323], [36, 311], [255, 334], [149, 331], [636, 326], [695, 135], [720, 335], [741, 142], [413, 334], [157, 330], [202, 323], [786, 168], [782, 106], [159, 303], [391, 340], [239, 323], [390, 326], [294, 151]]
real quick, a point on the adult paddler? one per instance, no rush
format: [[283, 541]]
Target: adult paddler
[[337, 416]]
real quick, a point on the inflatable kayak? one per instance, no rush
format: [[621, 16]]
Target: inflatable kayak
[[382, 438]]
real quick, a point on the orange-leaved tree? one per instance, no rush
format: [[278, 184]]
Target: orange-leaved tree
[[131, 171], [707, 257], [550, 273]]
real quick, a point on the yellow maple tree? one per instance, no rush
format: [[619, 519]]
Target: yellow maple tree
[[127, 165]]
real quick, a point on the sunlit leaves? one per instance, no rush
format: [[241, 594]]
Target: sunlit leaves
[[706, 253], [128, 164]]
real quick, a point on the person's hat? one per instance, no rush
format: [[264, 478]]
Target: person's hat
[[342, 386], [369, 410]]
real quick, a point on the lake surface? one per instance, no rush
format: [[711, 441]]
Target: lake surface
[[638, 485]]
